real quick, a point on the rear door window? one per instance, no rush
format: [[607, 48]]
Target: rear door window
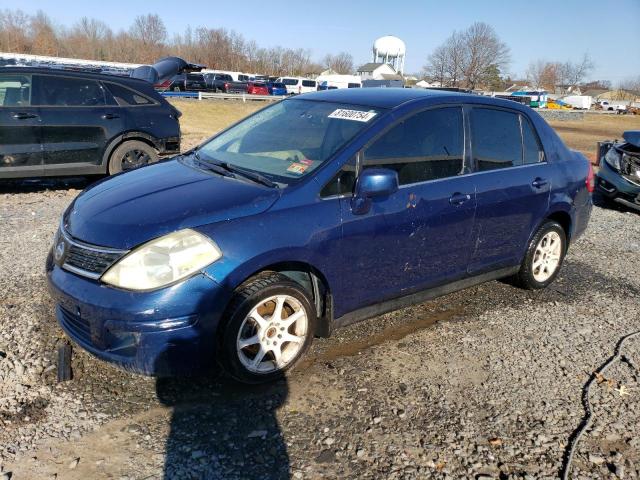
[[125, 96], [308, 83], [533, 152], [426, 146], [15, 90], [65, 91], [496, 139]]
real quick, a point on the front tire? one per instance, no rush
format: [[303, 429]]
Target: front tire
[[544, 257], [269, 325]]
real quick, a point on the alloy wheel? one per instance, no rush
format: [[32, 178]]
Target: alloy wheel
[[134, 159], [272, 334], [546, 258]]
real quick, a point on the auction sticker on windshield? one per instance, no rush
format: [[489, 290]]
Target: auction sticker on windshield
[[356, 115]]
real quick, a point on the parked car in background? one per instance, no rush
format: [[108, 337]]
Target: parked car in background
[[186, 82], [297, 85], [276, 88], [223, 82], [612, 106], [271, 232], [618, 178], [257, 88], [57, 122]]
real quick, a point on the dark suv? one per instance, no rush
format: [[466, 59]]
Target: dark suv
[[75, 123], [188, 82]]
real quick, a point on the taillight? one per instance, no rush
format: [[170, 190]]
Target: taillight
[[226, 86], [590, 181]]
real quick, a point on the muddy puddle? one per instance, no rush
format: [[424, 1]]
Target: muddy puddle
[[389, 334]]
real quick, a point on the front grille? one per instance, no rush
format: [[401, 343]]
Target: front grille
[[91, 261], [76, 325], [88, 260]]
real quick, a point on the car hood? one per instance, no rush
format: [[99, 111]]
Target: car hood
[[632, 137], [132, 208]]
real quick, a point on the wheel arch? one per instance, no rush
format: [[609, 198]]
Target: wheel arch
[[312, 280], [563, 217], [123, 137]]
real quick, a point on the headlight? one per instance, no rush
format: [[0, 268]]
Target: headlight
[[613, 158], [631, 165], [163, 261]]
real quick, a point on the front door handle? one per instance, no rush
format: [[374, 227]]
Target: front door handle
[[110, 116], [459, 198], [24, 115], [539, 182]]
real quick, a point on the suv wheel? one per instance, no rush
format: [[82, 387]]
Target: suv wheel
[[544, 257], [269, 326], [131, 154]]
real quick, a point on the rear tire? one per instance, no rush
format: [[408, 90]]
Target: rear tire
[[268, 326], [131, 154], [544, 257]]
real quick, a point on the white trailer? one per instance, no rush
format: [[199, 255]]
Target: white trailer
[[581, 102], [330, 82]]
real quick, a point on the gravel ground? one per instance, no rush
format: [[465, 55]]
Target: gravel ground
[[484, 383]]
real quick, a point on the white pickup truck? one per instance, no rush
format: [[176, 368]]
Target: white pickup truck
[[612, 107]]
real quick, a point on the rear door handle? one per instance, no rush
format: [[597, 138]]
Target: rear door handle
[[24, 115], [539, 182], [459, 198], [110, 116]]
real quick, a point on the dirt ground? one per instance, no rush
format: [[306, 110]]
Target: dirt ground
[[485, 383], [200, 119], [583, 135]]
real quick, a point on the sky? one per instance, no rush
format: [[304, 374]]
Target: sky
[[554, 30]]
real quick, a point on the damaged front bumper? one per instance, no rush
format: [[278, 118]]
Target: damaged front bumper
[[619, 176]]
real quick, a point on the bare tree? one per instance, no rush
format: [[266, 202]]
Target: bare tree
[[469, 58], [14, 31], [577, 72], [436, 66], [149, 33], [146, 40], [341, 62], [484, 51], [44, 38]]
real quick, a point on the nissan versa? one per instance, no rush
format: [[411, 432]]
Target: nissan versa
[[313, 213]]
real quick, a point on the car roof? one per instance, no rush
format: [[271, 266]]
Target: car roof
[[394, 97], [73, 73]]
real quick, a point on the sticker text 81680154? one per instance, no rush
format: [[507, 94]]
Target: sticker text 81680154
[[357, 115]]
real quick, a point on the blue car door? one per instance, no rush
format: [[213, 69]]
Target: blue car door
[[419, 236], [513, 181]]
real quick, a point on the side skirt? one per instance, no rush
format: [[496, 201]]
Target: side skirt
[[419, 297]]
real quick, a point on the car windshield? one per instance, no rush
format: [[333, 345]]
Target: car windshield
[[288, 140]]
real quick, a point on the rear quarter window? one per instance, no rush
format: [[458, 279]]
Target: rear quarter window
[[533, 151], [125, 96], [496, 139]]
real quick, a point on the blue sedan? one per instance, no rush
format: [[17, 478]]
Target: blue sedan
[[311, 214], [276, 88]]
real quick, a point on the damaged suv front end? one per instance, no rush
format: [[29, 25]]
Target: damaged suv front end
[[619, 176]]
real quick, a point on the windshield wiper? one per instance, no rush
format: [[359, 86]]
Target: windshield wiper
[[229, 170], [251, 175], [214, 167]]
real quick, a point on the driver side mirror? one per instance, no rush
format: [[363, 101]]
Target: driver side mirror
[[373, 183]]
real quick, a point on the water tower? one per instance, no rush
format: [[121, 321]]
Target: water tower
[[390, 49]]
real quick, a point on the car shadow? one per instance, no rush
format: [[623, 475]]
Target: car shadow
[[220, 429], [30, 185]]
